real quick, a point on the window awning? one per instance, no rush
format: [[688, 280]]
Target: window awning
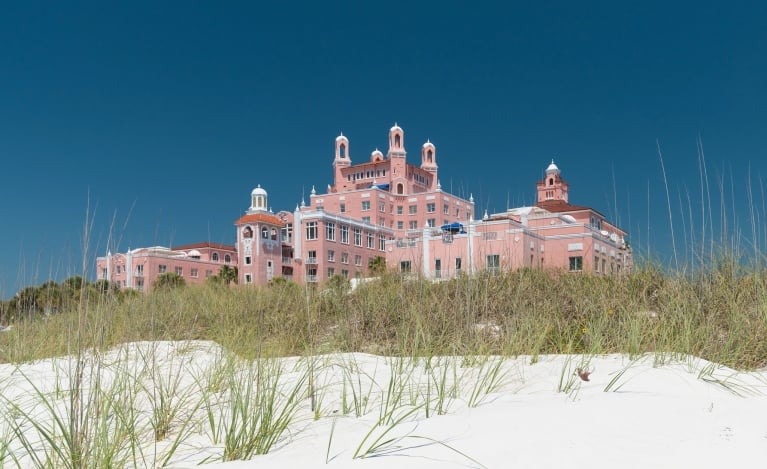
[[454, 227]]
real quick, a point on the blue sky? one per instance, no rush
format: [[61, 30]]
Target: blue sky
[[158, 118]]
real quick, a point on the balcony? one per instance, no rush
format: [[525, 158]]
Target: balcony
[[287, 260], [311, 261], [311, 278]]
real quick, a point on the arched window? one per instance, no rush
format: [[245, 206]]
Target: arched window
[[429, 156], [397, 141], [274, 234], [227, 258], [400, 188], [342, 150], [247, 232], [265, 233], [551, 181], [214, 257]]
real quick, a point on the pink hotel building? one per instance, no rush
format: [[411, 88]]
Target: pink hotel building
[[389, 208]]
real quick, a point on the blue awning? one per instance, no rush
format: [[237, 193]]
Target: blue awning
[[380, 186], [454, 227]]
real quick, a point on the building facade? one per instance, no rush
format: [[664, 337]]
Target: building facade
[[139, 268], [386, 207]]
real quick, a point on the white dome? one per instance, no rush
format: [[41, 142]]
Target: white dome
[[428, 144], [258, 191], [341, 138], [377, 153], [552, 168], [193, 253], [396, 127]]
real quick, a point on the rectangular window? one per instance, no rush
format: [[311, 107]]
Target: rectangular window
[[400, 225], [311, 274], [431, 207], [311, 230], [344, 234], [248, 278], [140, 269], [287, 233], [382, 207], [104, 273], [457, 265], [162, 268], [412, 209], [331, 272], [357, 260], [432, 222], [312, 258], [596, 264], [446, 209], [438, 268], [248, 260], [330, 231], [399, 210], [365, 219], [179, 271], [208, 273], [345, 273], [371, 240], [194, 273], [365, 205], [358, 237], [118, 269], [494, 263], [381, 242], [404, 267], [576, 263], [413, 225], [343, 208], [344, 258], [331, 256]]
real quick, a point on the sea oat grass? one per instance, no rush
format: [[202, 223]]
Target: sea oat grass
[[719, 314]]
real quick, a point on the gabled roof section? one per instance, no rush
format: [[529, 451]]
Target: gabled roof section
[[259, 218], [204, 244], [560, 206]]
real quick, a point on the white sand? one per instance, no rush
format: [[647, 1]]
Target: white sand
[[670, 413]]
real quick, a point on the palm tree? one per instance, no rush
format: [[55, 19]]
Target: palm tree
[[169, 280], [228, 274], [377, 265]]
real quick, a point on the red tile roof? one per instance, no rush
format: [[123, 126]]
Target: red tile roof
[[560, 206], [204, 244], [259, 218]]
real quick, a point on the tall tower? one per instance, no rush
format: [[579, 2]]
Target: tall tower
[[553, 187], [429, 161], [397, 155], [259, 247], [341, 160]]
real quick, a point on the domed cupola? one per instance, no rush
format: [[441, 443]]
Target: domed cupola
[[376, 156], [552, 169], [258, 200], [342, 157], [396, 142]]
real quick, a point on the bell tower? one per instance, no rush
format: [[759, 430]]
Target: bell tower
[[553, 187], [341, 160]]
